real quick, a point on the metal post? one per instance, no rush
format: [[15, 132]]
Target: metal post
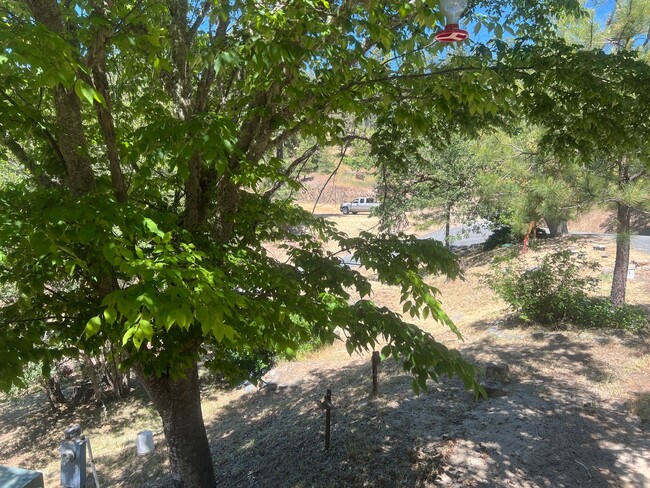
[[376, 359], [92, 462], [73, 458]]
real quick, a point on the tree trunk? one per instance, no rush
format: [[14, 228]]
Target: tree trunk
[[55, 396], [90, 370], [623, 218], [557, 228], [619, 280], [179, 405], [70, 133]]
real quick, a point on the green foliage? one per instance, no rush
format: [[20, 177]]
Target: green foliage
[[32, 375], [426, 175], [501, 235], [148, 135], [191, 116], [547, 293], [237, 366], [600, 313], [555, 292]]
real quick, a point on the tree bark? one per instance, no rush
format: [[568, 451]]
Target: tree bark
[[71, 138], [52, 388], [97, 63], [557, 228], [90, 370], [623, 218], [621, 263], [179, 404]]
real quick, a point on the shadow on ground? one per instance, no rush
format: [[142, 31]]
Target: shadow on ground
[[552, 429], [548, 431]]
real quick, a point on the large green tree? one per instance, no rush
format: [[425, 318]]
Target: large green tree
[[428, 177], [593, 103], [525, 184], [623, 28], [146, 130]]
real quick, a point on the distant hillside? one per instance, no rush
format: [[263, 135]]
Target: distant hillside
[[343, 186]]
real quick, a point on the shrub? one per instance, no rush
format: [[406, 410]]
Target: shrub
[[501, 235], [556, 292], [237, 366], [600, 313]]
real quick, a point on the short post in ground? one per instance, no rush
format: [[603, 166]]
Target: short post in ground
[[327, 406], [376, 359]]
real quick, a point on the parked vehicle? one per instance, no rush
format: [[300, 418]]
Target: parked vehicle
[[359, 204]]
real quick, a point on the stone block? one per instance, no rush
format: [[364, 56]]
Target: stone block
[[498, 372], [493, 389]]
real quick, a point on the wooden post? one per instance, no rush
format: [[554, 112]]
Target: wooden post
[[376, 359], [328, 418]]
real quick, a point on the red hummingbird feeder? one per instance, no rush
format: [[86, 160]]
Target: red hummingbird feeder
[[452, 10]]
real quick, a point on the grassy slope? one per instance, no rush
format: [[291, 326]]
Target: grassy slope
[[275, 439]]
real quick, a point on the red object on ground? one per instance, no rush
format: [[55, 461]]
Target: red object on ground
[[525, 248], [452, 33]]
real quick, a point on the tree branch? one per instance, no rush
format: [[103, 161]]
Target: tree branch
[[39, 126], [294, 164], [338, 166], [28, 162], [97, 64], [638, 175]]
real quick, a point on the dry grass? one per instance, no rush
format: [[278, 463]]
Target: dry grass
[[640, 406], [275, 439]]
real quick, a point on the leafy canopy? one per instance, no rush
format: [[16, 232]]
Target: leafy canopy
[[146, 131]]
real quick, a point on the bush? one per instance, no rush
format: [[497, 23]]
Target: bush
[[501, 235], [600, 313], [556, 293]]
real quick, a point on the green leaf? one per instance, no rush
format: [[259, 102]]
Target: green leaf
[[87, 233], [84, 91], [147, 328], [169, 320], [152, 227], [110, 315], [109, 251], [128, 334], [93, 326], [182, 317]]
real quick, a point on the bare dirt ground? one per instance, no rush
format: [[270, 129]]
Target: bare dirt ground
[[575, 413]]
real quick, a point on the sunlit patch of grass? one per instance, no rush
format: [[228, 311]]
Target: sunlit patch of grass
[[639, 406]]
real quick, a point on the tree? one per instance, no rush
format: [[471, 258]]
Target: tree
[[595, 111], [525, 184], [147, 129], [432, 179], [623, 25]]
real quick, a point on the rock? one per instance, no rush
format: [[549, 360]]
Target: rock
[[599, 247], [248, 387], [443, 480], [493, 389], [494, 330], [273, 387], [498, 372]]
